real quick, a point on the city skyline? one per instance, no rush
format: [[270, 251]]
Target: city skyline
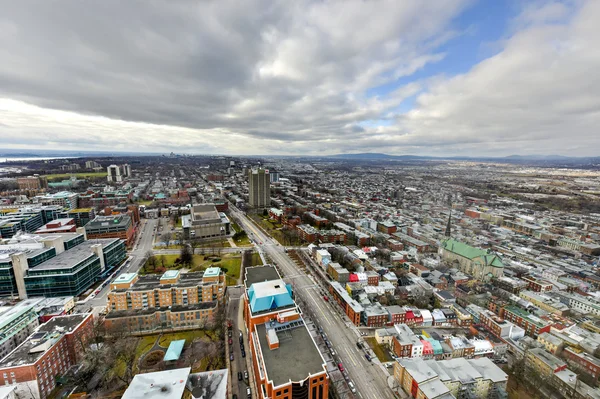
[[450, 78]]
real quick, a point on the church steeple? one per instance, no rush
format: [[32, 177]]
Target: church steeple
[[449, 226]]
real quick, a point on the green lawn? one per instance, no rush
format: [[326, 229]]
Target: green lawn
[[381, 353], [169, 263], [83, 175], [189, 336], [144, 202], [231, 262], [243, 242], [256, 260]]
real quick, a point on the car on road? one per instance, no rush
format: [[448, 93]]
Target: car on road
[[234, 396], [352, 387], [231, 356], [243, 353], [230, 341], [358, 345], [363, 333], [240, 376], [367, 357], [326, 298], [245, 374], [248, 392], [341, 367], [229, 334]]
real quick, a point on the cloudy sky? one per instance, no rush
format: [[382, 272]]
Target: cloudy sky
[[427, 77]]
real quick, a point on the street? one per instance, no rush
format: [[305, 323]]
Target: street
[[370, 378], [143, 244]]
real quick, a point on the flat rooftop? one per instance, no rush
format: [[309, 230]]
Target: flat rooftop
[[152, 281], [49, 333], [259, 274], [73, 256], [10, 313], [168, 384], [296, 357]]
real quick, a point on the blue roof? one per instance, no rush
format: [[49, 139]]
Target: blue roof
[[174, 351], [279, 299]]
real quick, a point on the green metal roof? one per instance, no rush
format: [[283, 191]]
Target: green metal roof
[[478, 255]]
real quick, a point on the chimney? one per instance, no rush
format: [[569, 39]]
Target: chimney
[[20, 267], [97, 249], [272, 339]]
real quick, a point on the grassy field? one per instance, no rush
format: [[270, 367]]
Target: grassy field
[[144, 202], [83, 175], [381, 353], [270, 227]]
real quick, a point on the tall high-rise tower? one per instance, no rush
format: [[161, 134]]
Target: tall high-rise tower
[[260, 188]]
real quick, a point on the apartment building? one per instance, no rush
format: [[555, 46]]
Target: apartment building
[[545, 302], [452, 378], [537, 285], [172, 301], [259, 186], [351, 307], [131, 291], [532, 325]]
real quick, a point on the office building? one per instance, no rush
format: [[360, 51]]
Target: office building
[[57, 226], [118, 226], [65, 199], [205, 222], [286, 360], [35, 365], [260, 189], [56, 264]]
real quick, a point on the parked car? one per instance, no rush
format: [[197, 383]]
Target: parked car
[[231, 357], [229, 334], [243, 353], [240, 376], [367, 357], [326, 298], [248, 392], [341, 367], [230, 341], [246, 374]]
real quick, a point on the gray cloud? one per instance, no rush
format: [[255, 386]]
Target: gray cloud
[[260, 76]]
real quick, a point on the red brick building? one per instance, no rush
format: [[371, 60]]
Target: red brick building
[[46, 355], [537, 285]]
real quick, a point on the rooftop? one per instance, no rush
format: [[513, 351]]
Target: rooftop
[[258, 274], [125, 278], [174, 350], [73, 256], [296, 344], [169, 384], [209, 384], [45, 337], [270, 295]]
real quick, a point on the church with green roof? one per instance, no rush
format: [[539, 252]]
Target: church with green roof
[[479, 263]]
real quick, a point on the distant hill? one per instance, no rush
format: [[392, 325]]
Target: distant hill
[[545, 160]]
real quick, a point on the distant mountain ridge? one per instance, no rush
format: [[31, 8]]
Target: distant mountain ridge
[[532, 159]]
